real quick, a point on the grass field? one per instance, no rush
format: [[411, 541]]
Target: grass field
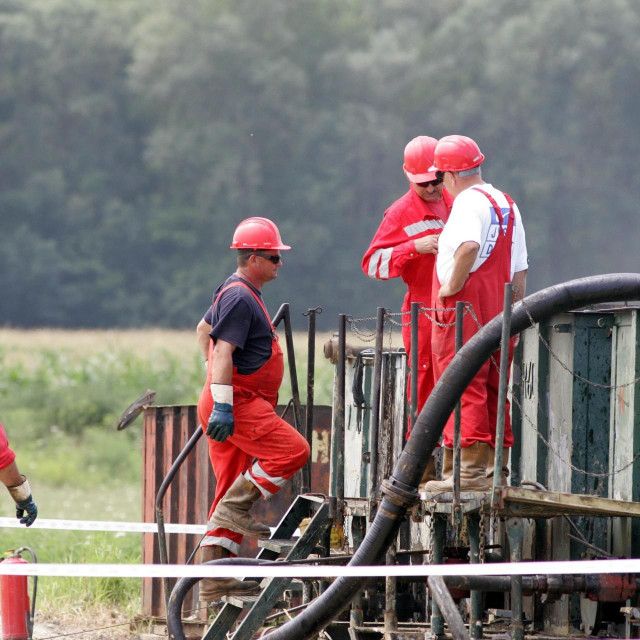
[[61, 394]]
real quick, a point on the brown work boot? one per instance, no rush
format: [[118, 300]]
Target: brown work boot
[[212, 589], [504, 476], [429, 473], [447, 469], [473, 469], [232, 512]]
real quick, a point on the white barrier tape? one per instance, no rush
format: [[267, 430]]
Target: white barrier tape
[[322, 571], [104, 525]]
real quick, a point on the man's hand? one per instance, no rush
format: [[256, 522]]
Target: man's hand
[[221, 419], [30, 507], [221, 422], [446, 290], [21, 493], [428, 244], [463, 260]]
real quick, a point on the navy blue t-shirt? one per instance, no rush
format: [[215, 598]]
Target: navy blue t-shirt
[[239, 319]]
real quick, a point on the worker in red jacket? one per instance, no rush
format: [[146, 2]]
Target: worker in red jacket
[[405, 246], [481, 249], [253, 451], [18, 485]]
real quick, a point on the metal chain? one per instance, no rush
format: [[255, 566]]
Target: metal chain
[[432, 531], [493, 515], [483, 531], [562, 457], [431, 319], [370, 336], [395, 322], [565, 367]]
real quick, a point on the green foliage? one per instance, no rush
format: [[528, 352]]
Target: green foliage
[[60, 405], [136, 134], [77, 594], [69, 395]]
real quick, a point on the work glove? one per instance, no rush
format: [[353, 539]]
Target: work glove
[[221, 422], [30, 507], [21, 493]]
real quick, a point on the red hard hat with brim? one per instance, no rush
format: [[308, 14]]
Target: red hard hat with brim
[[418, 158], [257, 233], [456, 153]]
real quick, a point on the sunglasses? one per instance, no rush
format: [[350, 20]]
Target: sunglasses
[[432, 183], [267, 256]]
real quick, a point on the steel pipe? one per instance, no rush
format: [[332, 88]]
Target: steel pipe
[[448, 607], [415, 344], [505, 341], [311, 369], [375, 401]]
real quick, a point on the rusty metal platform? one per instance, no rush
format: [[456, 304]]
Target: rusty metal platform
[[532, 503]]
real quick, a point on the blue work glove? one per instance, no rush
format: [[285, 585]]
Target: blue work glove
[[221, 422], [30, 507], [21, 494]]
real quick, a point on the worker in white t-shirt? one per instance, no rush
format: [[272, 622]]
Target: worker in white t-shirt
[[481, 248]]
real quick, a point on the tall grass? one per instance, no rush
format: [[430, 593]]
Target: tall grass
[[61, 394]]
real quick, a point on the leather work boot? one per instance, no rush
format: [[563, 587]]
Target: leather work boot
[[212, 589], [473, 470], [232, 512], [430, 472], [504, 476], [447, 469]]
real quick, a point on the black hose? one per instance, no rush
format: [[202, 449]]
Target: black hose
[[162, 537], [428, 428], [183, 585]]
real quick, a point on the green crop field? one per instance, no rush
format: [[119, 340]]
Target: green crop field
[[61, 394]]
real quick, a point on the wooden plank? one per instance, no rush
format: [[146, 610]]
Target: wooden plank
[[554, 503]]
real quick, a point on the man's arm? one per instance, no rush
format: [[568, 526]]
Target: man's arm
[[222, 365], [463, 260], [391, 248], [221, 423], [10, 476], [20, 491], [202, 332], [519, 284]]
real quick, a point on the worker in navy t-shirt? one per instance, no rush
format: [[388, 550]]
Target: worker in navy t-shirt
[[253, 451]]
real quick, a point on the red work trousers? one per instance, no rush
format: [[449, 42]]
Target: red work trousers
[[263, 446]]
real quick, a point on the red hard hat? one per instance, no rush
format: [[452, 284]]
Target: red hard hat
[[257, 233], [457, 153], [418, 158]]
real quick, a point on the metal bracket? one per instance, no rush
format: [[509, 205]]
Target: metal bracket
[[399, 493]]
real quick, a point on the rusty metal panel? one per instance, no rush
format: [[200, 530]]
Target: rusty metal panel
[[166, 431]]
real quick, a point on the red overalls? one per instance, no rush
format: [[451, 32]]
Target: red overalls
[[392, 254], [279, 450], [484, 289]]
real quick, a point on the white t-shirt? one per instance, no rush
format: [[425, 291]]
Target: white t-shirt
[[474, 219]]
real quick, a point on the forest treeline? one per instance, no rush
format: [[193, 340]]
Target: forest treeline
[[136, 134]]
